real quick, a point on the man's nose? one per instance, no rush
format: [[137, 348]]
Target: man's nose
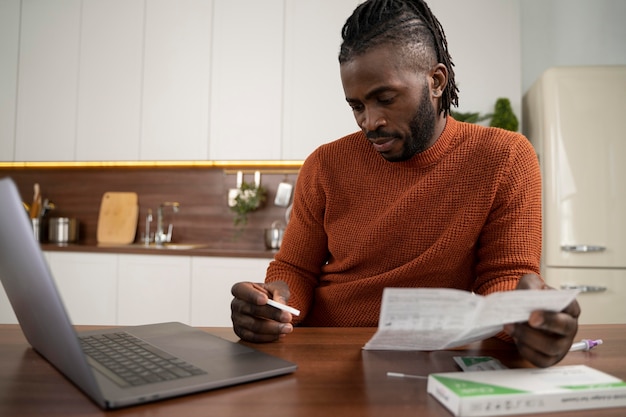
[[371, 120]]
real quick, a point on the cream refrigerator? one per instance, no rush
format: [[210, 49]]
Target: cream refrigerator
[[575, 117]]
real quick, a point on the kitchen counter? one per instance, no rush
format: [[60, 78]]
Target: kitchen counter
[[207, 250]]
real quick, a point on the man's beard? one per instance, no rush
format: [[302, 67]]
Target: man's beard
[[422, 128]]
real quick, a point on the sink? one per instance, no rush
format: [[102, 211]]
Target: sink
[[172, 246], [168, 246]]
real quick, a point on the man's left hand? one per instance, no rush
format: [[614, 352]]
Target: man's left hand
[[547, 336]]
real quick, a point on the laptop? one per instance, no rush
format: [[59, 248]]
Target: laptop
[[185, 359]]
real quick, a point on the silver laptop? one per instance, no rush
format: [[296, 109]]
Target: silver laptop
[[154, 361]]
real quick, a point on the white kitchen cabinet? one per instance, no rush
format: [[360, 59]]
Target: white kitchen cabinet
[[176, 78], [315, 108], [88, 285], [109, 80], [47, 81], [9, 50], [203, 79], [7, 316], [153, 289], [123, 289], [247, 80], [211, 281]]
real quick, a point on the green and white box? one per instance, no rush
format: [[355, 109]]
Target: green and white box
[[527, 390]]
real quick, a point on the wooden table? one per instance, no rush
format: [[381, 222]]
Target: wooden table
[[334, 378]]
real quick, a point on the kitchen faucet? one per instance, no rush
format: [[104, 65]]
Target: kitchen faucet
[[146, 237], [160, 236]]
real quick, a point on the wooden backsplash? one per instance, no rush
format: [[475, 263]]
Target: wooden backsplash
[[202, 192]]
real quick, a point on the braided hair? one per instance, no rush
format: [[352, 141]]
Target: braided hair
[[408, 24]]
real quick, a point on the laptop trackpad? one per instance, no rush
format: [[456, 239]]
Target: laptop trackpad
[[185, 341]]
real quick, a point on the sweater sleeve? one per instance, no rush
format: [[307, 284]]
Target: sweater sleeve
[[510, 241], [305, 247]]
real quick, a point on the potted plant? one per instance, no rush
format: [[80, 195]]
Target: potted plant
[[249, 198], [502, 116]]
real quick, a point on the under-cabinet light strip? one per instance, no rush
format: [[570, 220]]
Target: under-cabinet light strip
[[279, 165]]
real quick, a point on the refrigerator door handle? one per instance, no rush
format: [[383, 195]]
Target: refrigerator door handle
[[583, 248], [584, 288]]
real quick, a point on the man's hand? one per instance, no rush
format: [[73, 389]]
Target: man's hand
[[547, 336], [254, 320]]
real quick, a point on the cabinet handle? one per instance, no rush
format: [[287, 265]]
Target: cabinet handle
[[584, 288], [583, 248]]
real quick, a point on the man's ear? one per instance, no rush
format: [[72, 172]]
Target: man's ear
[[438, 79]]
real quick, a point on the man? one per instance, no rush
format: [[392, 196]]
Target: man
[[415, 199]]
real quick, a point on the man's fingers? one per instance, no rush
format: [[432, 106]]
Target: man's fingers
[[249, 292]]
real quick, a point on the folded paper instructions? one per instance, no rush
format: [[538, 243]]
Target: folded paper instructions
[[443, 318]]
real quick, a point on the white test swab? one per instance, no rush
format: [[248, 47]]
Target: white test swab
[[284, 307]]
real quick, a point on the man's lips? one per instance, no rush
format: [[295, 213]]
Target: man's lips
[[383, 144]]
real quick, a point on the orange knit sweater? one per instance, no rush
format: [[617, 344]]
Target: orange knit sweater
[[466, 214]]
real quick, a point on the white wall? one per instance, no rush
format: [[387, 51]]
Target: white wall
[[571, 32], [484, 42], [9, 38]]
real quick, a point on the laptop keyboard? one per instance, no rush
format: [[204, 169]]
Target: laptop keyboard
[[129, 361]]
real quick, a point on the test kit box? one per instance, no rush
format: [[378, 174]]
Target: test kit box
[[528, 390]]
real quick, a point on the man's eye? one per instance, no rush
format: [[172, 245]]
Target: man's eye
[[356, 107], [385, 100]]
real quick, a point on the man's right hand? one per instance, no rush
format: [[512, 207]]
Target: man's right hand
[[253, 319]]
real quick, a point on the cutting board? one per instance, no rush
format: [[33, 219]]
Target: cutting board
[[117, 219]]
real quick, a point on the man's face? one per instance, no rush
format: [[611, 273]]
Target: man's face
[[392, 104]]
